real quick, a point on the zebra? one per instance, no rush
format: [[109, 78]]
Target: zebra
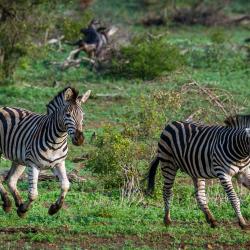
[[203, 152], [39, 141], [238, 121]]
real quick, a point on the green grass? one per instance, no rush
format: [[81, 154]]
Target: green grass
[[100, 214], [95, 217]]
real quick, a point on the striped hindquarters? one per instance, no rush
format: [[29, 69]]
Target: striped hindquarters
[[16, 126], [189, 147]]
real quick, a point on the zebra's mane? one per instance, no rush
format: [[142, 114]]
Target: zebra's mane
[[59, 101], [238, 121]]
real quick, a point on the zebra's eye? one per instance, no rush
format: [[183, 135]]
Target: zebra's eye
[[67, 115]]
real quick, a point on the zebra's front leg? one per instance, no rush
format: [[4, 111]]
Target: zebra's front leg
[[33, 174], [200, 193], [13, 176], [60, 171], [5, 198], [226, 182], [169, 173]]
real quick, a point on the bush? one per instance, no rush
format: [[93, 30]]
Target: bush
[[118, 161], [71, 27], [148, 113], [146, 59], [217, 57], [114, 157]]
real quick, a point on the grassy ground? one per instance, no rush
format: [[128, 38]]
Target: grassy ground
[[95, 217]]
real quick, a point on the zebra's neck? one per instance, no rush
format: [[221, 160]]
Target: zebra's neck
[[239, 143], [55, 131]]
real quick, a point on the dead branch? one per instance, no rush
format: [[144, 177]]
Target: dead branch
[[52, 41], [213, 99], [71, 62]]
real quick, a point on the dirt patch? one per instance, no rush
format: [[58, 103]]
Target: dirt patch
[[154, 240], [24, 230]]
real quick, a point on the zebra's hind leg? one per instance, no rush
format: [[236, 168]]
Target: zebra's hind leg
[[226, 182], [169, 172], [201, 198], [13, 176], [60, 171], [5, 198], [33, 174]]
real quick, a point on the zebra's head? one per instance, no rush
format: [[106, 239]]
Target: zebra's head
[[73, 115]]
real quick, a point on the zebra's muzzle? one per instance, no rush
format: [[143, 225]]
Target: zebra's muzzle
[[78, 138]]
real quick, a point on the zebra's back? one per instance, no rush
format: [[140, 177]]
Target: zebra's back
[[195, 149]]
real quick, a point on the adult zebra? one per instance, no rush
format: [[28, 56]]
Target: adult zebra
[[238, 121], [202, 152], [40, 141]]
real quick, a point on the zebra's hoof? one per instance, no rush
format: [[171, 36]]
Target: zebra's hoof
[[245, 226], [167, 222], [213, 224], [7, 209], [21, 211], [53, 209]]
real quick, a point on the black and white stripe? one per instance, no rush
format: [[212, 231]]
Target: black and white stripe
[[202, 152], [40, 141], [238, 121]]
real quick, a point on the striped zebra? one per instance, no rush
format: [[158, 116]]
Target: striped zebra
[[203, 152], [38, 142], [238, 121]]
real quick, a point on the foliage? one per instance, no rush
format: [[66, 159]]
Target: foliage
[[115, 156], [218, 36], [146, 58], [217, 57], [12, 32], [149, 113], [20, 22], [70, 27]]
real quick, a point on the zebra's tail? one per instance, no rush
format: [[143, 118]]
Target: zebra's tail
[[151, 175]]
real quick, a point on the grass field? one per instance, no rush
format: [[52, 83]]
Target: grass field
[[97, 216]]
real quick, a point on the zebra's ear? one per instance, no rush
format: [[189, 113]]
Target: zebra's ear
[[68, 94], [85, 97], [248, 132]]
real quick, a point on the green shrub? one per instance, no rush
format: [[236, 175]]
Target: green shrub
[[71, 27], [218, 36], [146, 59], [113, 157], [217, 57], [149, 113]]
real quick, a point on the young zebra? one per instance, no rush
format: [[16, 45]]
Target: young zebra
[[39, 142], [202, 152]]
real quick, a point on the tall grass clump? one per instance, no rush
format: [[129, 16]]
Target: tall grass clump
[[146, 58], [116, 159]]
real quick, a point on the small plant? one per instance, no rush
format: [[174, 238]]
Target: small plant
[[71, 27], [146, 59], [218, 36], [114, 157], [149, 113]]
